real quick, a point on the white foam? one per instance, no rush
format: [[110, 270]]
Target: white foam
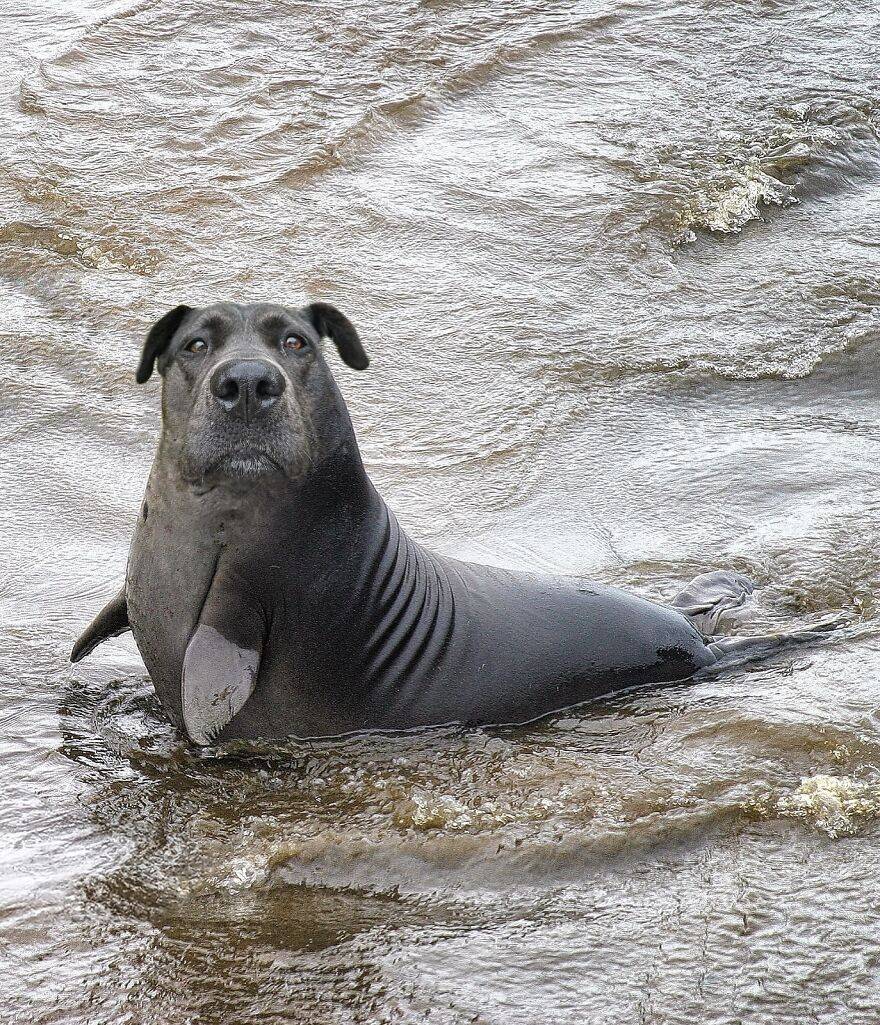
[[835, 805]]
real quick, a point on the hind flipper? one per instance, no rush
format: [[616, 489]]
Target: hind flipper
[[709, 596], [111, 621], [765, 644]]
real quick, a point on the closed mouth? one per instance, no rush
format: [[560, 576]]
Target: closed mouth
[[245, 463]]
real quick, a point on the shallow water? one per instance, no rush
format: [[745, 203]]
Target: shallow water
[[618, 269]]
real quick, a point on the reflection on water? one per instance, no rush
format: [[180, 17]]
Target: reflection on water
[[618, 270]]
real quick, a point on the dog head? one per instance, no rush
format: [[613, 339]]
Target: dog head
[[246, 391]]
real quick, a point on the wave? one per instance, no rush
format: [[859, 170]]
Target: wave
[[97, 254], [837, 806], [376, 120], [727, 209], [740, 175]]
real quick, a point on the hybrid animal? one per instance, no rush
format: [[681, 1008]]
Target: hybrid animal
[[271, 591]]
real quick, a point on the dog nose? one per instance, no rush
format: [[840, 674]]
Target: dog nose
[[247, 388]]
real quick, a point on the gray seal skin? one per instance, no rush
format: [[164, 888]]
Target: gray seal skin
[[271, 591]]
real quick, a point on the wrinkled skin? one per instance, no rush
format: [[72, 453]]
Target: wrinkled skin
[[271, 592]]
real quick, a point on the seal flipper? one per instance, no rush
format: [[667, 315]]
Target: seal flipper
[[759, 645], [221, 663], [111, 621], [709, 597]]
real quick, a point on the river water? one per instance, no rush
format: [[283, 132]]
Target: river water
[[618, 269]]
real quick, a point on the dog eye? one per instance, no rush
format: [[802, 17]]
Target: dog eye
[[198, 346], [294, 343]]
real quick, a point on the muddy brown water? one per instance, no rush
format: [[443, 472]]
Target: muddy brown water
[[618, 268]]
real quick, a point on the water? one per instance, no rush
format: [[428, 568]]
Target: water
[[618, 270]]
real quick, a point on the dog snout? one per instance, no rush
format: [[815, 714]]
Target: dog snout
[[247, 388]]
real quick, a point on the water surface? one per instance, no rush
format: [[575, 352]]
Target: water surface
[[618, 269]]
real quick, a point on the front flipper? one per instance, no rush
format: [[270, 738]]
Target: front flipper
[[221, 662], [111, 621]]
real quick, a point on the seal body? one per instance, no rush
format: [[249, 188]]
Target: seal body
[[361, 628], [271, 591]]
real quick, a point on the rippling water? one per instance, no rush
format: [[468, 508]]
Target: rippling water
[[618, 268]]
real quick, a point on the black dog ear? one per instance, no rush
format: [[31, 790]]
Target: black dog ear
[[330, 323], [157, 341]]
